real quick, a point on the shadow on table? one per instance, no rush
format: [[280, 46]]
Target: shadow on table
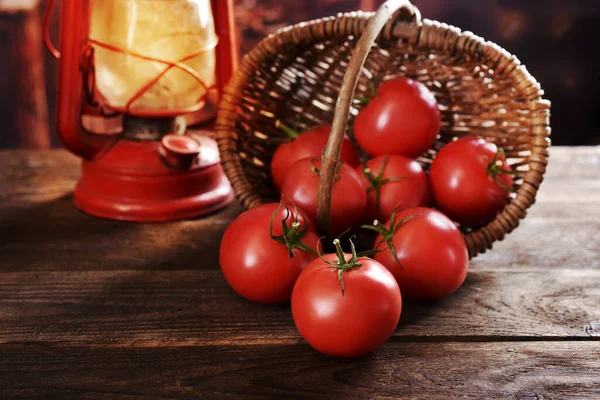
[[41, 235], [54, 235], [416, 313], [52, 221]]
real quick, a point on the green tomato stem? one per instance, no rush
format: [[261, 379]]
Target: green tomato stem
[[342, 265], [291, 237], [387, 235], [494, 170], [377, 182], [291, 133]]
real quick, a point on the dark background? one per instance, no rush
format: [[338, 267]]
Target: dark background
[[555, 39]]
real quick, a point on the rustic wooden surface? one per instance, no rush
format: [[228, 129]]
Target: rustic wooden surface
[[102, 309]]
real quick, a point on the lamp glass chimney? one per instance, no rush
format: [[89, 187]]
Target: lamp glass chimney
[[129, 36]]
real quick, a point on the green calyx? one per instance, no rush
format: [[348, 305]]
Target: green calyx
[[377, 181], [342, 265], [388, 234], [364, 100], [291, 236], [290, 133], [494, 170]]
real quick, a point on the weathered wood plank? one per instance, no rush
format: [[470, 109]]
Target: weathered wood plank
[[197, 306], [54, 236], [67, 276], [40, 229], [508, 370], [35, 176], [101, 309]]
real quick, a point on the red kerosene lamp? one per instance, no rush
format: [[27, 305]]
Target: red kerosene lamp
[[133, 74]]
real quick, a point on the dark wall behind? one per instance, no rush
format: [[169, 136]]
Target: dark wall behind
[[555, 39]]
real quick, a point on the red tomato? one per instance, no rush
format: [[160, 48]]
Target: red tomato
[[308, 144], [347, 323], [348, 200], [259, 267], [425, 252], [470, 181], [403, 118], [393, 181]]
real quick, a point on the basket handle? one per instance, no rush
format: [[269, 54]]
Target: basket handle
[[331, 152]]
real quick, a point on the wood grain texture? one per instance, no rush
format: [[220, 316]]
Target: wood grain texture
[[198, 307], [68, 277], [504, 370], [92, 308], [36, 218]]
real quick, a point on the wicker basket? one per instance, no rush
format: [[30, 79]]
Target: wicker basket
[[309, 73]]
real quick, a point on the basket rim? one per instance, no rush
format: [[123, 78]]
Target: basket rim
[[427, 35]]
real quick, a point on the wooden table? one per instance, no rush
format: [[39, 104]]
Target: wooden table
[[102, 309]]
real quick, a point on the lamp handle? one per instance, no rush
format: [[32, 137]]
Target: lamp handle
[[47, 20], [74, 29], [228, 48]]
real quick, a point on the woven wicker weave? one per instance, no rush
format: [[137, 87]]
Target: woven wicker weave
[[296, 76]]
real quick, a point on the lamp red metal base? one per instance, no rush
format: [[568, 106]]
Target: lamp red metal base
[[145, 169], [131, 181]]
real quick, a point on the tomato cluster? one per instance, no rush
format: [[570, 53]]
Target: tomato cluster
[[349, 303]]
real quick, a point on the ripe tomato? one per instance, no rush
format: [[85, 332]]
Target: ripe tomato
[[471, 181], [393, 182], [348, 200], [344, 306], [254, 258], [425, 252], [403, 118], [308, 144]]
